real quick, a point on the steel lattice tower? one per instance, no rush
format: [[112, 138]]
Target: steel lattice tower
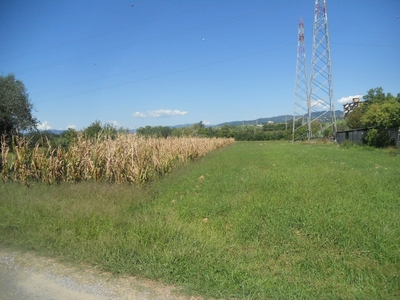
[[301, 95], [321, 111]]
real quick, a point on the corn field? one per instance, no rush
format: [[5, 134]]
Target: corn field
[[124, 159]]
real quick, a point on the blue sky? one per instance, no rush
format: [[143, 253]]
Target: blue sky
[[184, 61]]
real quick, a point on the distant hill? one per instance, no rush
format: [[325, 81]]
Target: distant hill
[[185, 125], [55, 131], [276, 119]]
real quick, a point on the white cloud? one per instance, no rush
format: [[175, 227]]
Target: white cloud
[[319, 104], [44, 126], [139, 115], [205, 122], [166, 113], [71, 127], [114, 123], [160, 113], [348, 99]]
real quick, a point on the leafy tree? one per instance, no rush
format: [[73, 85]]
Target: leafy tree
[[383, 115], [112, 131], [177, 132], [109, 129], [93, 130], [342, 125], [375, 95], [206, 132], [157, 131], [354, 119], [200, 125], [97, 129], [66, 138], [225, 131], [15, 107], [165, 131], [147, 131], [201, 130]]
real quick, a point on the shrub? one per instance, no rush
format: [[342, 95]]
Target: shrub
[[378, 138]]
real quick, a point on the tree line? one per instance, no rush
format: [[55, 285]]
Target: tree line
[[254, 132]]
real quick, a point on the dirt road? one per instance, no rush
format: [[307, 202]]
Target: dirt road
[[29, 276]]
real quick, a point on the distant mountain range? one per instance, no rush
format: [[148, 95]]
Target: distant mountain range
[[276, 119], [260, 121], [55, 131]]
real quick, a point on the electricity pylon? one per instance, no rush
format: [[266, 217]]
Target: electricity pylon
[[301, 95], [321, 110]]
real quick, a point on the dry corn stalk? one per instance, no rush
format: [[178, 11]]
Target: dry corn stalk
[[5, 175], [126, 158]]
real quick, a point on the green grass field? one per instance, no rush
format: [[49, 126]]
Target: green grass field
[[255, 220]]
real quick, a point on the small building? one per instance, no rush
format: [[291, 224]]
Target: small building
[[354, 135], [349, 107]]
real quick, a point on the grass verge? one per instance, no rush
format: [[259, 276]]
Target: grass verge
[[251, 221]]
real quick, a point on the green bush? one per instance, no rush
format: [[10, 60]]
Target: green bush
[[378, 138]]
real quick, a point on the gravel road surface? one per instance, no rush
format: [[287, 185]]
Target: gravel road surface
[[24, 275]]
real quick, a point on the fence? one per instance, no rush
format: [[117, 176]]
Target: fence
[[357, 135]]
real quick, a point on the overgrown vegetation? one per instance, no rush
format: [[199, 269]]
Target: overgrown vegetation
[[378, 138], [255, 220], [122, 158]]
